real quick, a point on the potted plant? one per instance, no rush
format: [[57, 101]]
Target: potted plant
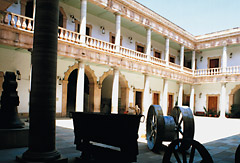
[[206, 112]]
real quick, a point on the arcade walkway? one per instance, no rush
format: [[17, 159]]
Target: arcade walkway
[[220, 136]]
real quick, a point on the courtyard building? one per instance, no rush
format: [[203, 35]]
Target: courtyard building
[[114, 55]]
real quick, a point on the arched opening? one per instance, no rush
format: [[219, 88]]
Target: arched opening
[[106, 93], [235, 108], [60, 20], [236, 97], [71, 92]]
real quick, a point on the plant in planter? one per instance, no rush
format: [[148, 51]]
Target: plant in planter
[[206, 112], [235, 111]]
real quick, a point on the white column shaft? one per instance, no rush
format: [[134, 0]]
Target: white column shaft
[[182, 57], [165, 97], [148, 49], [192, 98], [223, 102], [80, 88], [167, 51], [83, 20], [180, 93], [193, 60], [146, 95], [115, 88], [224, 58], [118, 30]]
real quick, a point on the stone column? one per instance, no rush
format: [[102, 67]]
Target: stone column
[[148, 49], [118, 31], [80, 87], [182, 57], [42, 126], [115, 88], [83, 21], [165, 97], [180, 94], [223, 100], [192, 98], [224, 58], [193, 61], [167, 51], [146, 95]]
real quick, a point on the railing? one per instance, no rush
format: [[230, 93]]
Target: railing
[[133, 54], [233, 70], [17, 21], [158, 61], [26, 24], [174, 66]]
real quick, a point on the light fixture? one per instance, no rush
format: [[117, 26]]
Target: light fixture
[[18, 75], [73, 18], [200, 95], [150, 91], [130, 39], [230, 56], [201, 58], [59, 80], [103, 29], [151, 48]]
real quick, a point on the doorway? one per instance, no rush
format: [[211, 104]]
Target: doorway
[[170, 103], [156, 98], [212, 104], [138, 100]]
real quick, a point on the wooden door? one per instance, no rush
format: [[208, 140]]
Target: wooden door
[[172, 59], [155, 98], [212, 104], [138, 100], [140, 49], [157, 55], [214, 63], [170, 104]]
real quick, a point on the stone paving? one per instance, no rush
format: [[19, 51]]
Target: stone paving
[[222, 150]]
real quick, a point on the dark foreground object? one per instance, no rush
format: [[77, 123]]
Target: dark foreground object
[[9, 102], [117, 130], [186, 150]]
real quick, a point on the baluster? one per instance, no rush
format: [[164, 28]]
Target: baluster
[[77, 39], [61, 33], [69, 36], [66, 35], [18, 25], [73, 37], [12, 22], [6, 19], [24, 25], [29, 27]]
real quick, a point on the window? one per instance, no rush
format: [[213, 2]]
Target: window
[[140, 47], [112, 38], [172, 58], [213, 62], [88, 28], [157, 54]]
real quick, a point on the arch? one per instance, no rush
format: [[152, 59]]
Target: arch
[[231, 96], [93, 104], [124, 89]]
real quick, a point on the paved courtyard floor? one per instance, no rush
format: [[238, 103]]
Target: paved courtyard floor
[[220, 137]]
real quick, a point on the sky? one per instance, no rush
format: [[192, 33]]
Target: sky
[[198, 16]]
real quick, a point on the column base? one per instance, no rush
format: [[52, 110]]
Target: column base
[[44, 157]]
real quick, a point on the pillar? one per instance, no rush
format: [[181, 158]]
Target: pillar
[[118, 31], [42, 111], [146, 95], [148, 48], [115, 88], [223, 100], [167, 51], [165, 97], [192, 98], [193, 61], [83, 21], [80, 87], [182, 57], [180, 94], [224, 58]]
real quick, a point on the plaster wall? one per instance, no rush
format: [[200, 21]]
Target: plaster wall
[[234, 61], [18, 60]]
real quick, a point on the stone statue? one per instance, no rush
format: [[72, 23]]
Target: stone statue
[[9, 102]]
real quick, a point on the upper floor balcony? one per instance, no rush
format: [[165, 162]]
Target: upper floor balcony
[[74, 45]]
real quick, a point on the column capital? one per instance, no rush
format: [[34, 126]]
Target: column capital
[[117, 13], [115, 68]]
